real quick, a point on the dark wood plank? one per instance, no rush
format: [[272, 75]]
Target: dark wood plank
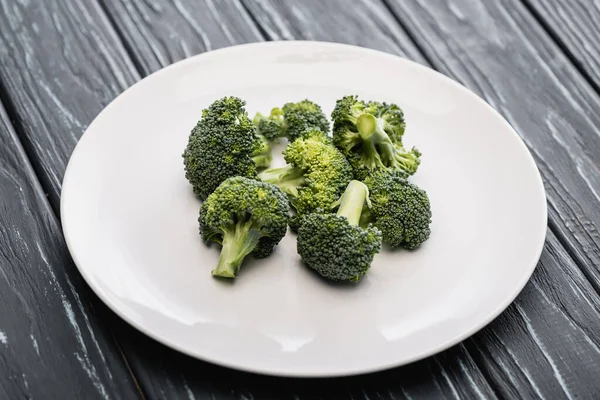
[[574, 25], [547, 344], [365, 23], [61, 64], [450, 381], [165, 374], [51, 345], [159, 33], [501, 52]]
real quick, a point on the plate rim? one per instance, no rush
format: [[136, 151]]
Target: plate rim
[[354, 371]]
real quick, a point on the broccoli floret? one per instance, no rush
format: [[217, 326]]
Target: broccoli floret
[[334, 245], [271, 126], [293, 121], [315, 175], [370, 136], [302, 116], [399, 208], [245, 216], [224, 143]]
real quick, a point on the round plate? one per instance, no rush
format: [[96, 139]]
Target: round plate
[[130, 219]]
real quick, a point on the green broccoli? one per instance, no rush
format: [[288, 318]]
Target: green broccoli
[[334, 245], [370, 134], [302, 116], [293, 120], [262, 156], [224, 143], [271, 126], [245, 216], [399, 208], [315, 175]]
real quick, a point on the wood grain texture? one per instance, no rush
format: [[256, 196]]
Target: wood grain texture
[[61, 64], [166, 374], [160, 32], [453, 374], [51, 345], [365, 23], [547, 343], [574, 24], [498, 50]]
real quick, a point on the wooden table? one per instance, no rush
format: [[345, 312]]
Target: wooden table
[[62, 61]]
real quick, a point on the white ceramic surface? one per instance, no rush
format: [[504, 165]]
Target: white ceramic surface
[[130, 219]]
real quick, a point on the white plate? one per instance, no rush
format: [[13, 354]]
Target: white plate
[[130, 219]]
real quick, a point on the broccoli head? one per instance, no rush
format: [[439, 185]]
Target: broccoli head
[[224, 143], [245, 216], [302, 116], [271, 126], [315, 175], [335, 245], [370, 134], [399, 208]]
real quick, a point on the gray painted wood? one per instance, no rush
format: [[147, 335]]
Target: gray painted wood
[[574, 24], [160, 32], [165, 374], [498, 50], [547, 343], [365, 23], [52, 346], [61, 64]]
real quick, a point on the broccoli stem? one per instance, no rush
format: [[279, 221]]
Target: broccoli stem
[[378, 150], [257, 118], [238, 242], [388, 154], [262, 160], [352, 201], [263, 156], [287, 178], [367, 126], [408, 160]]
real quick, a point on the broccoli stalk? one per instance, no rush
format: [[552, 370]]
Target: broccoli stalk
[[335, 245], [370, 136], [262, 156], [245, 216], [376, 144], [353, 201], [315, 176], [378, 151], [238, 241], [288, 178]]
